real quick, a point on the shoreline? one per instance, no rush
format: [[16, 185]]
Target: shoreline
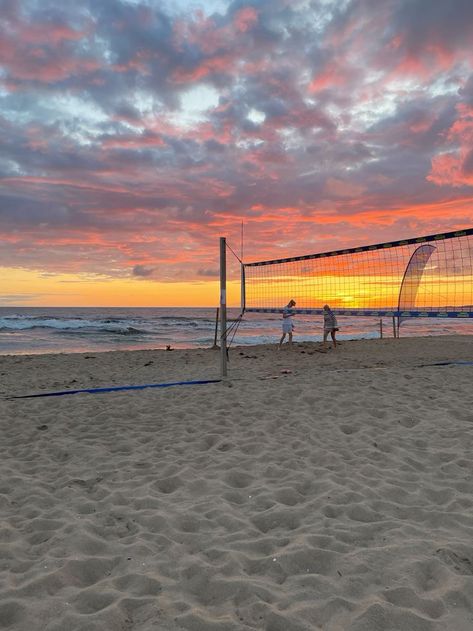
[[74, 331], [306, 491]]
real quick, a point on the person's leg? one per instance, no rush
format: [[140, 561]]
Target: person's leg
[[281, 340], [332, 334], [290, 338], [325, 338]]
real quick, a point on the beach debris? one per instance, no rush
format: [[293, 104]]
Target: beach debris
[[89, 356], [148, 363], [284, 371], [42, 428], [169, 347]]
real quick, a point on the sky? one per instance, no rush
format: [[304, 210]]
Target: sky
[[134, 134]]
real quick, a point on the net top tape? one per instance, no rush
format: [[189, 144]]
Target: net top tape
[[378, 246]]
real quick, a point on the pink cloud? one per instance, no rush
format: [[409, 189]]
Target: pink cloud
[[450, 168], [40, 64], [245, 19], [135, 141], [50, 34], [333, 75], [40, 51]]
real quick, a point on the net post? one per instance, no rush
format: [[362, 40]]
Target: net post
[[223, 307], [381, 328]]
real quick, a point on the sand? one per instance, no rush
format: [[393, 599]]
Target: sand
[[308, 491]]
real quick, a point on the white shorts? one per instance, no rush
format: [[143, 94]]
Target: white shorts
[[287, 326]]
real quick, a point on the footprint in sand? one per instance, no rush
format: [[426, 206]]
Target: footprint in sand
[[460, 565], [408, 421]]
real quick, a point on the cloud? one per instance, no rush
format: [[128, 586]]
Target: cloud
[[142, 271], [7, 300], [211, 273], [330, 124]]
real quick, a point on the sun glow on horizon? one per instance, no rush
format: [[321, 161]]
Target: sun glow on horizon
[[67, 290]]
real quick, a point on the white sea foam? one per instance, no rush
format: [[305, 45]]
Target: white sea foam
[[44, 330]]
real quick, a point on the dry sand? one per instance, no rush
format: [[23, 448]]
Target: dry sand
[[308, 491]]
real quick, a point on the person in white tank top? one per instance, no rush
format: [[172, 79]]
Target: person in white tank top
[[287, 323]]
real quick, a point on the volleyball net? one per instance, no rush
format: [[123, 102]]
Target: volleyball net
[[430, 276]]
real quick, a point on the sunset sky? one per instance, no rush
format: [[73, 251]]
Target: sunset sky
[[133, 134]]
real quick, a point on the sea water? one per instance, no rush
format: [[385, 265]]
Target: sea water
[[32, 330]]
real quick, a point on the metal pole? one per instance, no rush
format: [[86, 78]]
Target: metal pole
[[381, 328], [394, 326], [242, 289], [216, 329], [242, 277], [223, 307]]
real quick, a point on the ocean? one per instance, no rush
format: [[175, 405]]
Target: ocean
[[33, 330]]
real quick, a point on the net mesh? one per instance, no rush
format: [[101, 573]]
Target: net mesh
[[424, 276]]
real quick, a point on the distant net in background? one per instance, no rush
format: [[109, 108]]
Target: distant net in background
[[430, 276]]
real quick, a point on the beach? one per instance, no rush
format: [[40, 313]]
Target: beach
[[308, 490]]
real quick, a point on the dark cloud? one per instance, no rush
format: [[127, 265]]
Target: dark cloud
[[428, 23], [468, 163], [466, 92], [142, 271], [210, 273]]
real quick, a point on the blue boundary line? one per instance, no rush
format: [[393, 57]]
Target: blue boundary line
[[453, 362], [116, 388]]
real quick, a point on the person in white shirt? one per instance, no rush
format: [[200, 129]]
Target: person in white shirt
[[330, 325], [287, 323]]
